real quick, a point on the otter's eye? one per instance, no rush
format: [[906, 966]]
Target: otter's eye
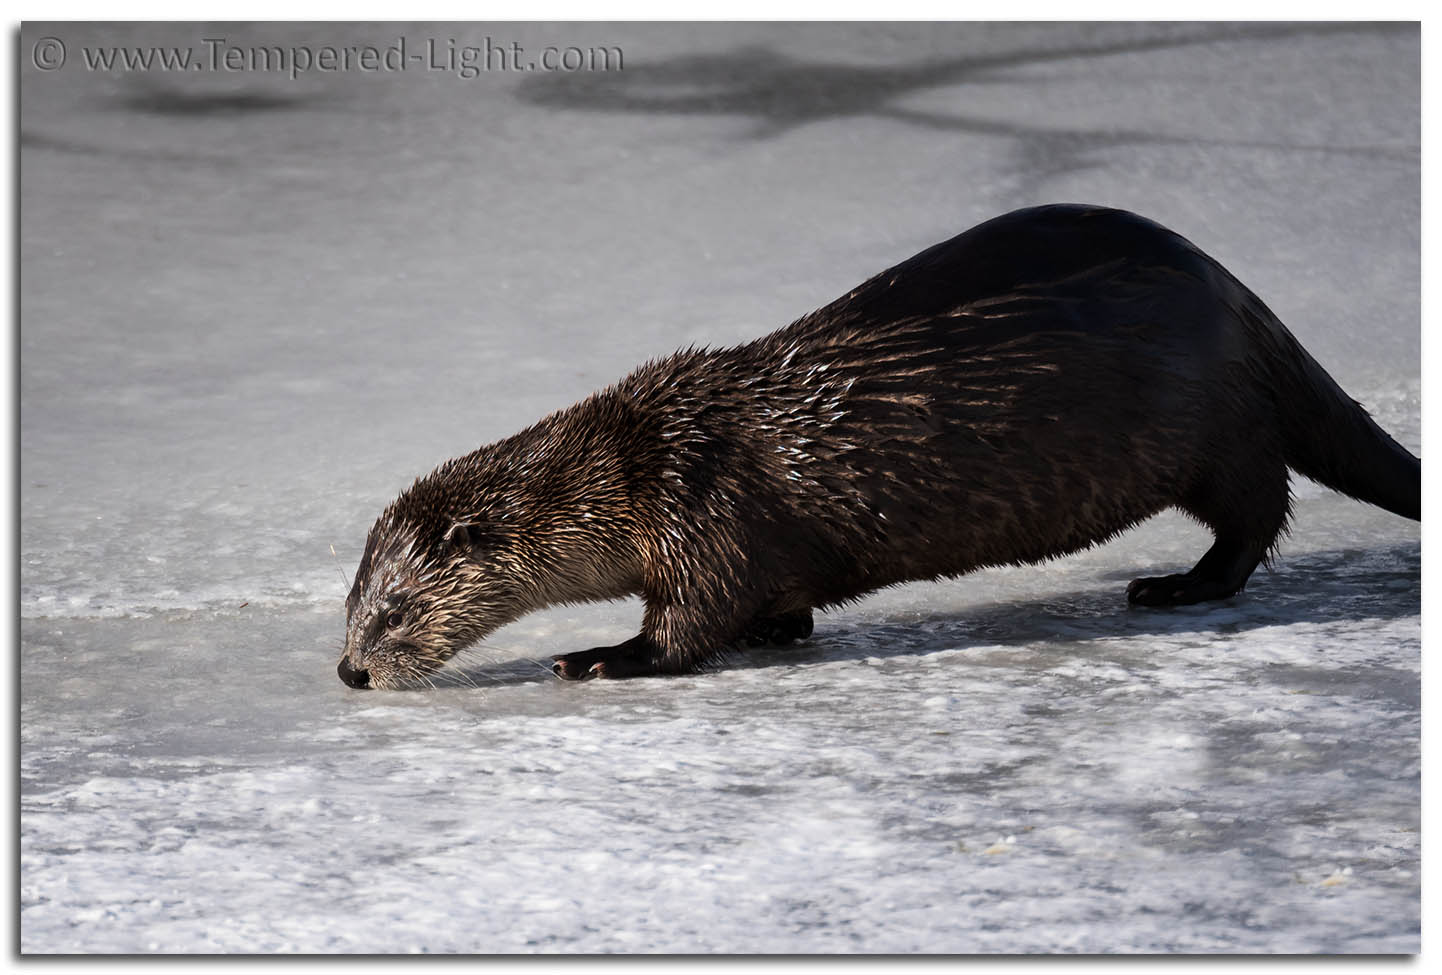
[[394, 620]]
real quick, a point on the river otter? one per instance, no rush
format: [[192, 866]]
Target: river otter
[[1029, 388]]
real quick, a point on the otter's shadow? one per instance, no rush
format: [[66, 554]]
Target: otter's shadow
[[1331, 585], [1335, 584]]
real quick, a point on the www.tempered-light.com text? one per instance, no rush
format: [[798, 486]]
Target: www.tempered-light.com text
[[219, 55]]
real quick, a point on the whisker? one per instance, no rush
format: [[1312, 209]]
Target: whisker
[[454, 677], [473, 656], [344, 581], [471, 664], [529, 662], [470, 676], [548, 670]]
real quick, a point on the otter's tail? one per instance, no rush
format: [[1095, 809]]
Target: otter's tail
[[1328, 435]]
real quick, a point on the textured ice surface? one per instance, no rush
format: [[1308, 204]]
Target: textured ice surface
[[253, 309]]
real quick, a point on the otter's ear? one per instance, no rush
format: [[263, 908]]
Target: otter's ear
[[472, 539]]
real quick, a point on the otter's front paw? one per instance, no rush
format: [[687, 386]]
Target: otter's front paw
[[575, 666], [628, 659]]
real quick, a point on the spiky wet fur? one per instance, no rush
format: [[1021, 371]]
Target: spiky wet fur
[[1029, 388]]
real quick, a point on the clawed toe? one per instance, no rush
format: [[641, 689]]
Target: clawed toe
[[568, 669]]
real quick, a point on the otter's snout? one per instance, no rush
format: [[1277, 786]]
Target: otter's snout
[[353, 677]]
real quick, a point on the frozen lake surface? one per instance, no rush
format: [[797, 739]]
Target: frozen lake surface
[[254, 308]]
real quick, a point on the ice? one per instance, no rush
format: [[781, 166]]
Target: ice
[[254, 308]]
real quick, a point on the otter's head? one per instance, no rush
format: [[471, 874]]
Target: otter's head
[[429, 584]]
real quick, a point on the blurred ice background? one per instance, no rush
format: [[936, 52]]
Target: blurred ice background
[[254, 308]]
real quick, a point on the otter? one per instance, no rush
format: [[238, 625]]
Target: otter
[[1032, 387]]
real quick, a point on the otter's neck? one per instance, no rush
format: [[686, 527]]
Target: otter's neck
[[582, 488]]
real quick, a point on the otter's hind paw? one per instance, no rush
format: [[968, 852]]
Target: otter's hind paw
[[779, 630], [1182, 589]]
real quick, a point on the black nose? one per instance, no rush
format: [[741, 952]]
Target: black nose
[[355, 678]]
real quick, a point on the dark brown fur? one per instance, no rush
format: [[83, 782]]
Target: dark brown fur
[[1029, 388]]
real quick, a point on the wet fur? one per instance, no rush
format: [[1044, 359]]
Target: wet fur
[[1027, 389]]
